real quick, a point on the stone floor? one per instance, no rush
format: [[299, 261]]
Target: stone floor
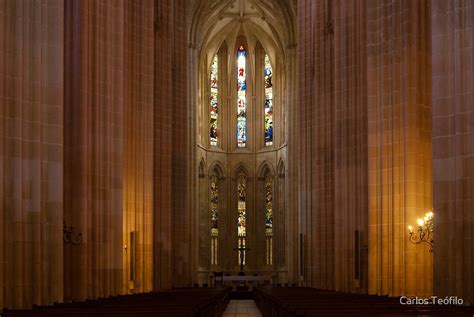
[[242, 308]]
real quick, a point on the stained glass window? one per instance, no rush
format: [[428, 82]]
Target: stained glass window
[[269, 218], [214, 103], [214, 205], [241, 97], [242, 212], [268, 73]]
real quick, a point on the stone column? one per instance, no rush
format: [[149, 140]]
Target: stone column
[[138, 145], [350, 142], [315, 119], [31, 152], [453, 147], [94, 85], [172, 152], [399, 101]]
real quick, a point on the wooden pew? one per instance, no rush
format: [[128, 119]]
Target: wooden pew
[[202, 302], [299, 301]]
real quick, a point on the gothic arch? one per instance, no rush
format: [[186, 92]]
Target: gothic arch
[[281, 169], [202, 167], [217, 167], [264, 169], [242, 167]]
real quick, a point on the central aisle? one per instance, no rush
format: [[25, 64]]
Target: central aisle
[[242, 308]]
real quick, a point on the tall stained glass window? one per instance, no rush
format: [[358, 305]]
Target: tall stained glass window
[[241, 97], [268, 73], [242, 212], [269, 218], [214, 205], [214, 103]]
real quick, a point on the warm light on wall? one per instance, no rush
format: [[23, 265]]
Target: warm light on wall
[[424, 233]]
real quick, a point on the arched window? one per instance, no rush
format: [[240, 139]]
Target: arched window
[[268, 73], [214, 102], [242, 212], [241, 97], [269, 218], [214, 208]]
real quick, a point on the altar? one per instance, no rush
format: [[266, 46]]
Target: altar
[[243, 280]]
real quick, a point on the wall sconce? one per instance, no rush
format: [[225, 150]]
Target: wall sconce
[[71, 237], [424, 233]]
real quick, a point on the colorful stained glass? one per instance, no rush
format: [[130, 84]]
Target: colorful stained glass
[[214, 203], [269, 204], [268, 73], [241, 97], [214, 103], [269, 218], [241, 210]]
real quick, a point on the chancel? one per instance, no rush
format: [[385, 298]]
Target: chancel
[[224, 157]]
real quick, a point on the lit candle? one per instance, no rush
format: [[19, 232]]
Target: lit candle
[[420, 222], [410, 228]]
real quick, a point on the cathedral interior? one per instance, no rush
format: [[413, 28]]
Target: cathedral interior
[[148, 145]]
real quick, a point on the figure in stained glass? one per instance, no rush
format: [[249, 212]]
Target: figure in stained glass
[[214, 103], [268, 74], [241, 97]]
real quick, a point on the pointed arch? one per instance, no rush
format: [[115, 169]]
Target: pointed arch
[[266, 177], [216, 176], [281, 169], [202, 168], [265, 169], [217, 169], [242, 167]]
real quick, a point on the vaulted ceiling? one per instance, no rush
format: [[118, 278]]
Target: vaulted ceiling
[[269, 21]]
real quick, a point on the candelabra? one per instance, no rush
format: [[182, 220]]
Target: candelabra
[[424, 233], [71, 237]]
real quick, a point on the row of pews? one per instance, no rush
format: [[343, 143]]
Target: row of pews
[[201, 302], [300, 301]]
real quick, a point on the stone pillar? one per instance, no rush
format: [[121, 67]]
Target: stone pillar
[[172, 156], [94, 98], [315, 137], [453, 147], [350, 142], [31, 152], [399, 101], [138, 145]]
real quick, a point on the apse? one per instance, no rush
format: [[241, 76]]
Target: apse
[[244, 57]]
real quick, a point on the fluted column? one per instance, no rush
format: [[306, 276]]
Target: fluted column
[[315, 119], [94, 95], [138, 145], [31, 152], [350, 143], [399, 144], [453, 147], [172, 218]]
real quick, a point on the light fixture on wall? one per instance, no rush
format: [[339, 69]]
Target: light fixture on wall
[[424, 233], [70, 236]]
